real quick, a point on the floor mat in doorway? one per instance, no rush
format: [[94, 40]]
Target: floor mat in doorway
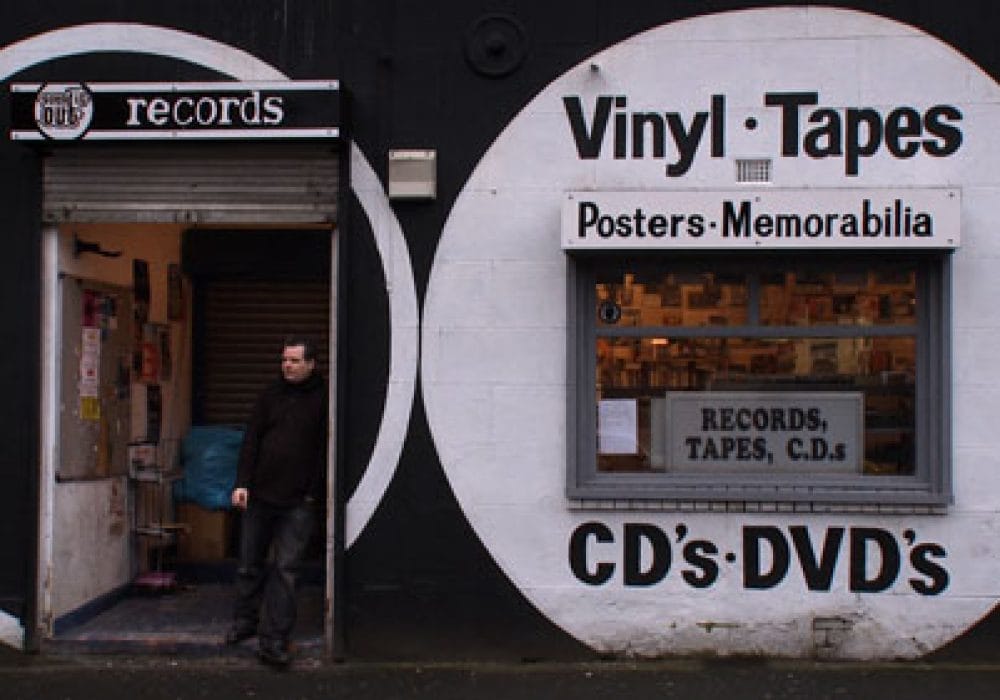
[[188, 618]]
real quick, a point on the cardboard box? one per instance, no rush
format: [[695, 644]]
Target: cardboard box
[[208, 533]]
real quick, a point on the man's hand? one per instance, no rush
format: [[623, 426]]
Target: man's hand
[[239, 498]]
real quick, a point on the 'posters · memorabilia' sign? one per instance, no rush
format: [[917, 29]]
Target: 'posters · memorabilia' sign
[[807, 219]]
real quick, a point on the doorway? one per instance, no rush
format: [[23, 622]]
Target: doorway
[[250, 290], [153, 328]]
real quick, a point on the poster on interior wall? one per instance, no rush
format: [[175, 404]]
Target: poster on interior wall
[[90, 408], [96, 344], [140, 309], [108, 313], [145, 414], [116, 508], [90, 363], [149, 351], [154, 405], [163, 349], [137, 413], [122, 378], [140, 280], [175, 293], [88, 314]]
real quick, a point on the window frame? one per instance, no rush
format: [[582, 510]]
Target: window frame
[[929, 485]]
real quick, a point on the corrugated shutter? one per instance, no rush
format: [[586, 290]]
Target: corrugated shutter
[[245, 322], [183, 183]]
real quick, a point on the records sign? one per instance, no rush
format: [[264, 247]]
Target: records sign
[[169, 111]]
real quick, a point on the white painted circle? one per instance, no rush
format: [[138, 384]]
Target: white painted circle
[[494, 371], [389, 240]]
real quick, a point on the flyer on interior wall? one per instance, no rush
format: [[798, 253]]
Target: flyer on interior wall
[[146, 413], [116, 508], [175, 293], [154, 405], [140, 296], [163, 349], [90, 408], [149, 370], [90, 362]]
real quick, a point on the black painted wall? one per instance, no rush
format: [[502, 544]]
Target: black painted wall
[[19, 377], [419, 583]]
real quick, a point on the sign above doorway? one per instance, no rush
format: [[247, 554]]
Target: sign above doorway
[[175, 111]]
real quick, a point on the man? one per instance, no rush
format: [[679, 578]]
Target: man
[[279, 478]]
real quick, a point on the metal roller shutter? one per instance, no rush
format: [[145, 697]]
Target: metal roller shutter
[[245, 322], [181, 183]]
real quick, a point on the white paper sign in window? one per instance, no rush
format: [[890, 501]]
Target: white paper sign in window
[[617, 427]]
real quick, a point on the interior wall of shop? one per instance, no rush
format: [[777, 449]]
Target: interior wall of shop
[[91, 553]]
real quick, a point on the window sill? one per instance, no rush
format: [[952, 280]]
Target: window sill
[[696, 506]]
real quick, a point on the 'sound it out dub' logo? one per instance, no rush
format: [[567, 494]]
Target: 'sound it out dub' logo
[[63, 111]]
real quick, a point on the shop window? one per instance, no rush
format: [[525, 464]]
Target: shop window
[[777, 379]]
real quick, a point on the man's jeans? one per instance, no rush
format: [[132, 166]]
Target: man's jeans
[[284, 531]]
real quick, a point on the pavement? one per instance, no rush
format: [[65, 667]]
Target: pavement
[[222, 677], [966, 669]]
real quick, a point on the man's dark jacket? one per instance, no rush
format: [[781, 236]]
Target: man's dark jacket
[[283, 458]]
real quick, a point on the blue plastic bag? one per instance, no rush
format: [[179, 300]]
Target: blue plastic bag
[[209, 454]]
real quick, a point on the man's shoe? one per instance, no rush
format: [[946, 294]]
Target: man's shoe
[[240, 631], [274, 654]]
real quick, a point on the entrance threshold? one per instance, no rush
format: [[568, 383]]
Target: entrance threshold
[[192, 618]]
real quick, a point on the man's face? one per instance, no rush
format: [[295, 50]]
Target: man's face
[[294, 367]]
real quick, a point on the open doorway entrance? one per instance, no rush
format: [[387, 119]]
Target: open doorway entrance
[[157, 331], [250, 290]]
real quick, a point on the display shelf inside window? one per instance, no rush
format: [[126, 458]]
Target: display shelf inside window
[[646, 365]]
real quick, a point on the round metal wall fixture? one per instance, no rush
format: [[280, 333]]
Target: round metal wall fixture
[[496, 45]]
